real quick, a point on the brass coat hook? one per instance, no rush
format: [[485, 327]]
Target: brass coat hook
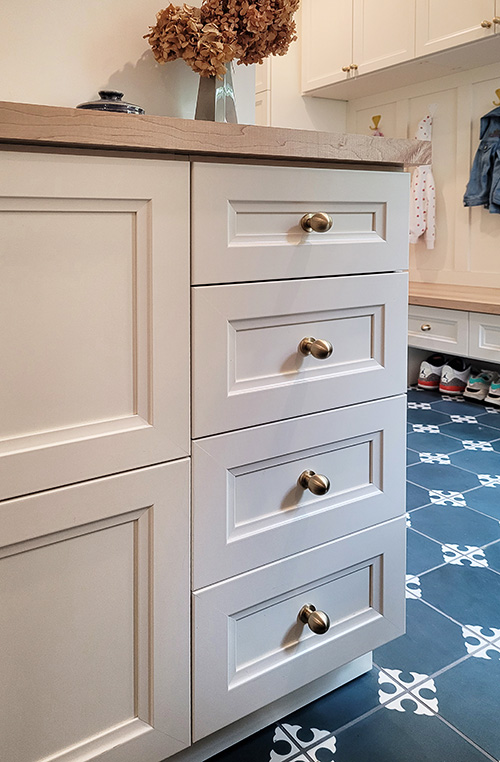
[[376, 121], [497, 93]]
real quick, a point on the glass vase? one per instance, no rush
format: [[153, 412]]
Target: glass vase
[[216, 102]]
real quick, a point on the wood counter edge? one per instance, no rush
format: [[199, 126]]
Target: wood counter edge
[[32, 124], [452, 297]]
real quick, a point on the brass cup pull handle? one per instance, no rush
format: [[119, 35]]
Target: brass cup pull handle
[[317, 621], [315, 483], [486, 24], [319, 222], [318, 348], [425, 327]]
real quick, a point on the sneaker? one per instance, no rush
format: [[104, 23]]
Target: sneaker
[[430, 372], [493, 396], [479, 384], [454, 377]]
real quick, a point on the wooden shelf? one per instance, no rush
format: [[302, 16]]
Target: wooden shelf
[[468, 298], [31, 124]]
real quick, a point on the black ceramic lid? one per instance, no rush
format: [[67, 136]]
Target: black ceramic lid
[[111, 100]]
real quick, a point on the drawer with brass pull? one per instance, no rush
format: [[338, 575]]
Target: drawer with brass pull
[[267, 351], [265, 223], [293, 621], [439, 330], [269, 491]]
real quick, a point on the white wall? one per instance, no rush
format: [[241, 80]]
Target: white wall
[[279, 99], [61, 52], [467, 248]]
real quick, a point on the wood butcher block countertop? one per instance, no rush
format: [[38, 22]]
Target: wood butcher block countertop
[[30, 124], [468, 298]]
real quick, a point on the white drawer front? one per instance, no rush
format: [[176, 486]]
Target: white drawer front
[[247, 367], [249, 646], [436, 329], [250, 510], [484, 336], [246, 222]]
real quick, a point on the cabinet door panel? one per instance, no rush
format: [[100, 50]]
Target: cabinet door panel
[[250, 510], [249, 646], [247, 365], [384, 33], [93, 282], [88, 576], [484, 336], [443, 25], [438, 330], [326, 41]]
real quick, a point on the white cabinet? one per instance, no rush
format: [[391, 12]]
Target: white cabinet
[[354, 37], [297, 350], [94, 580], [390, 40], [93, 287], [444, 25], [455, 332]]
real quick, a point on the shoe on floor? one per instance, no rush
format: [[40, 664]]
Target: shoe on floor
[[454, 377], [493, 396], [430, 372], [479, 384]]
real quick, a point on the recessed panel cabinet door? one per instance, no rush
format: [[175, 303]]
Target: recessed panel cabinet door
[[443, 25], [384, 33], [326, 42], [94, 317], [94, 597]]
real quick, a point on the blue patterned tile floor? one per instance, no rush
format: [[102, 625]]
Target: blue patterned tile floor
[[434, 693]]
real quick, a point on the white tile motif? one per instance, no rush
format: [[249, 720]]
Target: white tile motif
[[413, 589], [492, 410], [419, 406], [472, 556], [421, 428], [435, 457], [330, 744], [449, 398], [280, 735], [489, 480], [408, 520], [442, 497], [463, 419], [294, 730], [477, 637], [470, 444], [397, 696]]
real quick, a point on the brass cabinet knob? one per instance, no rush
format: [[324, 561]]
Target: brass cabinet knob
[[354, 67], [317, 621], [318, 348], [486, 24], [425, 327], [319, 222], [496, 20], [315, 483], [346, 68]]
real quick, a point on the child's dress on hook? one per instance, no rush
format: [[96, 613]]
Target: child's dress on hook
[[423, 194]]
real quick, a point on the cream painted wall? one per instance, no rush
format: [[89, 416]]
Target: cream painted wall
[[280, 104], [467, 239], [62, 52]]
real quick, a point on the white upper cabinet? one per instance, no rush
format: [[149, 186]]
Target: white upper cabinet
[[327, 42], [383, 33], [388, 40], [441, 25]]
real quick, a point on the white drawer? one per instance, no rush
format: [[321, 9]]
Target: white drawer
[[249, 646], [246, 222], [248, 508], [247, 367], [484, 336], [438, 329]]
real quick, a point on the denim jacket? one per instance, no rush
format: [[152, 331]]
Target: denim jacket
[[483, 188]]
